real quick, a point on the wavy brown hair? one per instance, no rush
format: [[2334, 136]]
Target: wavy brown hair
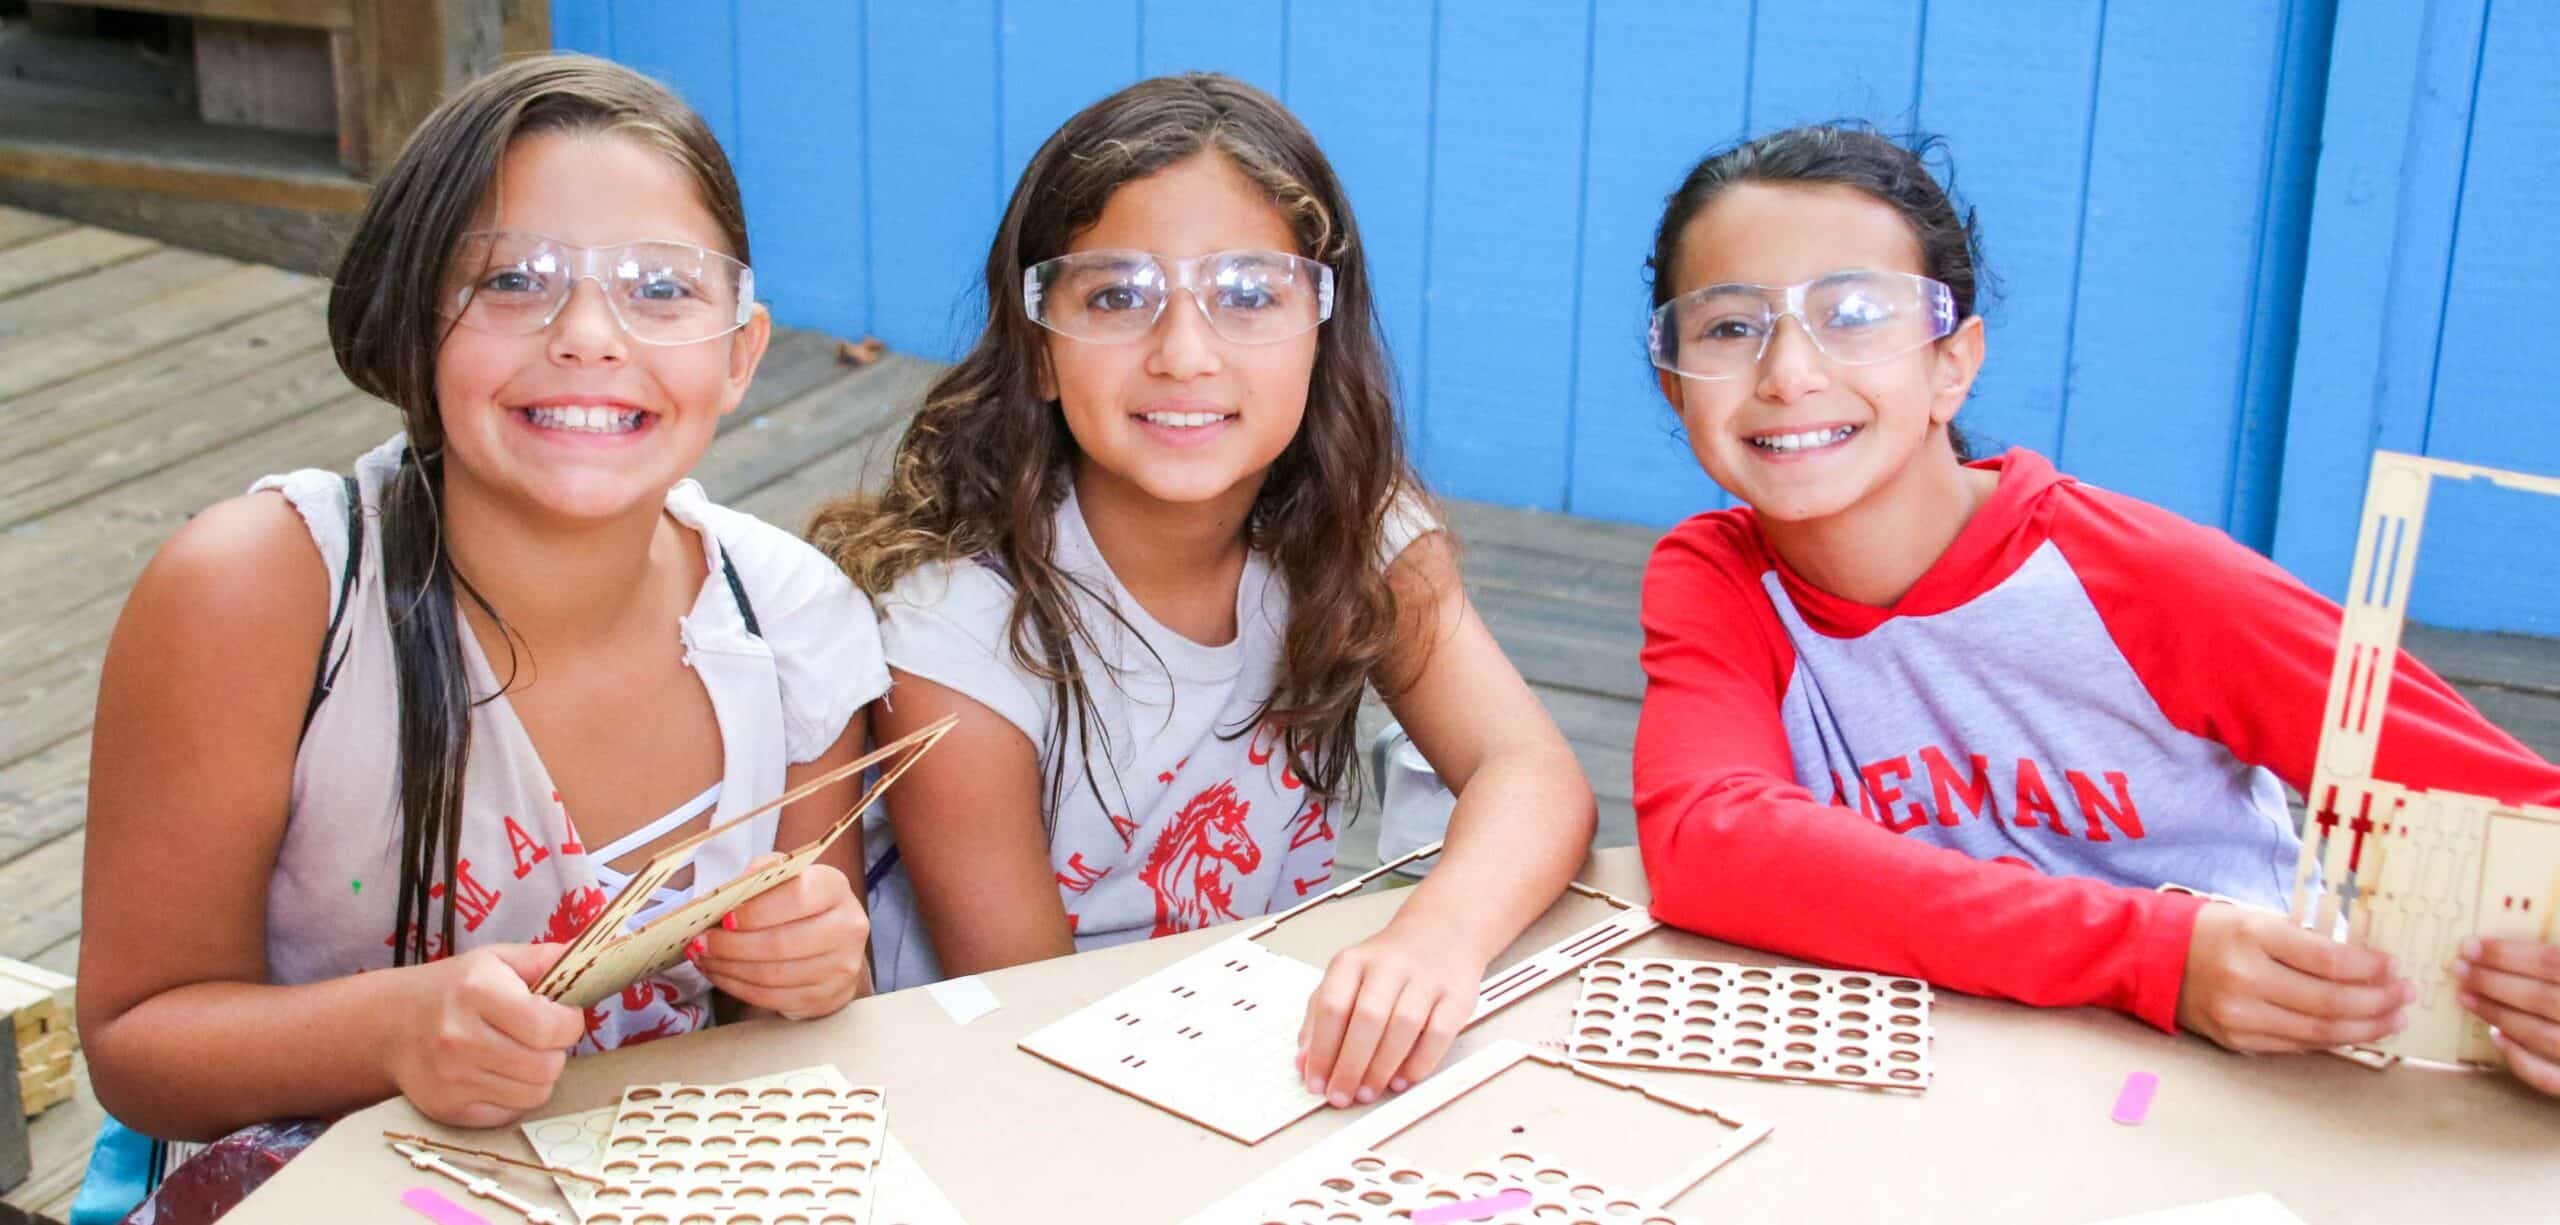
[[386, 325], [981, 469]]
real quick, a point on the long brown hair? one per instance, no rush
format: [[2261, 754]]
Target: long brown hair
[[386, 325], [982, 468]]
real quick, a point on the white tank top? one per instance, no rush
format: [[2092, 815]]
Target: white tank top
[[781, 696]]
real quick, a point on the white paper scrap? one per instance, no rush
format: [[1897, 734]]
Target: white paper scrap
[[965, 998]]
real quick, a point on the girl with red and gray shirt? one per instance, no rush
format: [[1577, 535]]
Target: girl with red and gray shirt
[[1959, 719]]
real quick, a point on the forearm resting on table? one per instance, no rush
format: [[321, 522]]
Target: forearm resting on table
[[202, 1060], [1521, 829]]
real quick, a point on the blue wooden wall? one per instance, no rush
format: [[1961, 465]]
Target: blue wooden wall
[[2182, 263], [2432, 262]]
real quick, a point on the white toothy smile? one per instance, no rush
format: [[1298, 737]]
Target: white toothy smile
[[1804, 441], [1183, 421], [585, 419]]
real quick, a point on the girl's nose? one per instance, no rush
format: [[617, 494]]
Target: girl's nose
[[585, 330], [1185, 345], [1791, 365]]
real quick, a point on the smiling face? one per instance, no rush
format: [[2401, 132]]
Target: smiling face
[[578, 420], [1182, 415], [1804, 437]]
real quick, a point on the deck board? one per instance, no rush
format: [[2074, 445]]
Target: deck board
[[140, 383], [40, 359]]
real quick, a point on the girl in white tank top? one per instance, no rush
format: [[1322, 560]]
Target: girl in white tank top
[[369, 750]]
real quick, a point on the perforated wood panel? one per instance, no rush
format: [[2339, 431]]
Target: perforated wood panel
[[1213, 1037], [1376, 1189], [750, 1156], [904, 1193], [1777, 1022], [1357, 1176]]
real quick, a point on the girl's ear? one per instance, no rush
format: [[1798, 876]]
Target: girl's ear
[[746, 352], [1048, 374], [1956, 360], [1670, 385]]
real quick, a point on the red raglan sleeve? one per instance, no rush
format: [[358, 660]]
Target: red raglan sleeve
[[1735, 848], [2238, 651]]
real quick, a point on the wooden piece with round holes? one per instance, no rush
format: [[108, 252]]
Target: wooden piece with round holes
[[1838, 1027], [732, 1154], [903, 1193], [1377, 1189], [1360, 1175]]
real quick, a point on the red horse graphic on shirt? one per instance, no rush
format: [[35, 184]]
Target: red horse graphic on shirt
[[578, 908], [1188, 867]]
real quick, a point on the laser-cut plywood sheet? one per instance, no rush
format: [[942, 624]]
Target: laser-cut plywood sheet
[[605, 957], [1777, 1022], [1375, 1189], [904, 1193], [1213, 1037], [1375, 1171], [2413, 872], [749, 1156]]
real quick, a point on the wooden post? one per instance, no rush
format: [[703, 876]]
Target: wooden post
[[410, 52]]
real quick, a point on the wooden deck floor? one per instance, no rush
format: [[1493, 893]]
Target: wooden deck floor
[[139, 382]]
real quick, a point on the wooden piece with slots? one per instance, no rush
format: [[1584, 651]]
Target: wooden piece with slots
[[605, 958], [2413, 872], [1213, 1037], [1356, 1177]]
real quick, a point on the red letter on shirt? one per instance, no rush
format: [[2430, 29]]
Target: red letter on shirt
[[1840, 797], [521, 843], [1085, 874], [2092, 804], [1949, 788], [2033, 799], [1886, 793], [472, 900]]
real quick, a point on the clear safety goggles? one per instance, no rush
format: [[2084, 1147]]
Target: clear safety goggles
[[1855, 317], [1112, 297], [662, 293]]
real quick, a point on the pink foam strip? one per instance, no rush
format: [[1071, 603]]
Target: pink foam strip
[[2134, 1102], [1473, 1209], [426, 1203]]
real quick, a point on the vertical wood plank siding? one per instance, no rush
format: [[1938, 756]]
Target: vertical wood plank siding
[[2237, 246]]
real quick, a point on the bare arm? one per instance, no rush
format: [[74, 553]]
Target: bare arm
[[199, 713], [1389, 1007], [971, 837], [967, 819]]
